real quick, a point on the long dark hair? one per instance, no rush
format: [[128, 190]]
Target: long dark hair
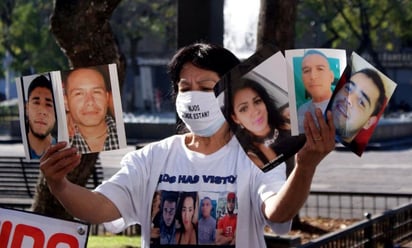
[[182, 197], [275, 118]]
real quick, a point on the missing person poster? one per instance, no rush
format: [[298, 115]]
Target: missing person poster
[[312, 76], [81, 106], [20, 228], [254, 100], [358, 102]]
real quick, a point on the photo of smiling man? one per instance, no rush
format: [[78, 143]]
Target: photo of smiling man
[[312, 77], [92, 119]]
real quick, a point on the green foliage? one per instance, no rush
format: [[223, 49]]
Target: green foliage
[[135, 19], [26, 36], [9, 111], [25, 31], [352, 24], [115, 241], [404, 24]]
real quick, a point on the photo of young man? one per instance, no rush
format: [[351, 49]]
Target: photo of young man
[[358, 103], [40, 116]]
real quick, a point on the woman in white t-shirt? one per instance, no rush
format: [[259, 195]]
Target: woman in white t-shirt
[[207, 160]]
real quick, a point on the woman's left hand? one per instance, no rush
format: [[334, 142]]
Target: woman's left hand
[[320, 139]]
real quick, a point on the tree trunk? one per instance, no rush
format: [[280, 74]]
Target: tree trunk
[[82, 30], [276, 23]]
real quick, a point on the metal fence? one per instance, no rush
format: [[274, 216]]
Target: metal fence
[[351, 205], [392, 228]]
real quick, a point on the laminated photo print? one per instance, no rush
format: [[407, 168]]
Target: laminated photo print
[[93, 109], [39, 108], [358, 103], [80, 106], [312, 75], [254, 100]]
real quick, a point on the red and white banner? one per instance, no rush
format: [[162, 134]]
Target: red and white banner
[[26, 229]]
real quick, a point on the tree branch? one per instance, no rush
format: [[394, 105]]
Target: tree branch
[[350, 25]]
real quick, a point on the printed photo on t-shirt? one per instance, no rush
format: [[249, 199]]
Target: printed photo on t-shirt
[[182, 218]]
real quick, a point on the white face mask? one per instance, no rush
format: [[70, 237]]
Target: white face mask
[[200, 112]]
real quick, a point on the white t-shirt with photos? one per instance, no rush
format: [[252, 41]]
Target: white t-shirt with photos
[[168, 165]]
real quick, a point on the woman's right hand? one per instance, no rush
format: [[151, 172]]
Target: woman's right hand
[[56, 163]]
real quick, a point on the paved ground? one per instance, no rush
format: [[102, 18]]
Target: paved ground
[[375, 171]]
